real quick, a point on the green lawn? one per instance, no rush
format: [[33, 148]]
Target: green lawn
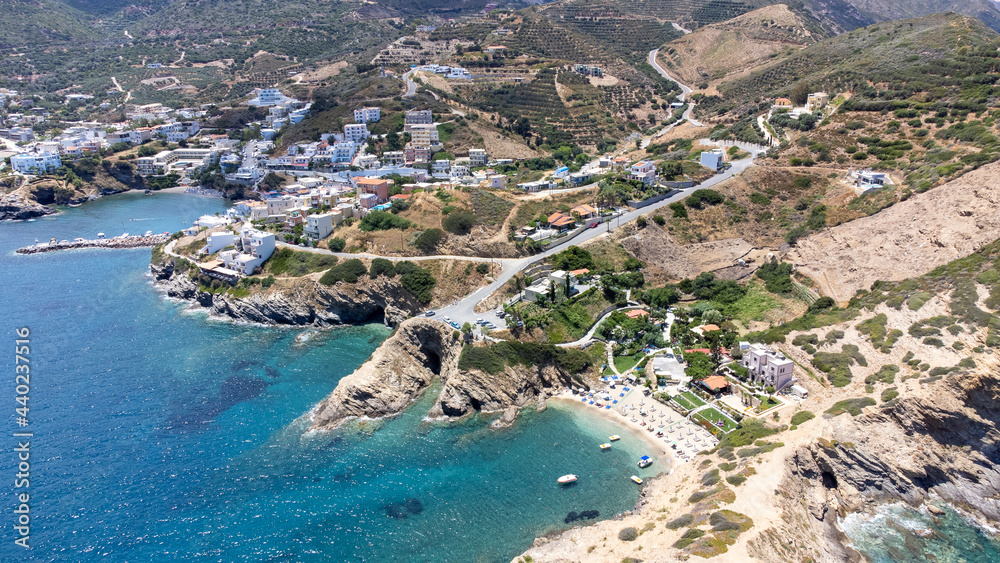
[[689, 400], [626, 363], [767, 403], [712, 416]]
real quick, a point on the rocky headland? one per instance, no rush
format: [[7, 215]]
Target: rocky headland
[[15, 207], [422, 351], [302, 302]]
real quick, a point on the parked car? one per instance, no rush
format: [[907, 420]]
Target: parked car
[[429, 313]]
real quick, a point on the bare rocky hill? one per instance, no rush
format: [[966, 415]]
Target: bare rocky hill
[[907, 239]]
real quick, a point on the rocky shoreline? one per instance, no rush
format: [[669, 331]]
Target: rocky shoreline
[[419, 352], [304, 303], [13, 207]]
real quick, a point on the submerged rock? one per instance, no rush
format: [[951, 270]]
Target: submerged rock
[[402, 510]]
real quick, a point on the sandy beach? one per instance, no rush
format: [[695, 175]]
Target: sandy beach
[[626, 412]]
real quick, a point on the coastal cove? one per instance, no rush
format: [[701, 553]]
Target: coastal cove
[[163, 434]]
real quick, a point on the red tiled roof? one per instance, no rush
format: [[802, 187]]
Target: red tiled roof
[[636, 313], [715, 382]]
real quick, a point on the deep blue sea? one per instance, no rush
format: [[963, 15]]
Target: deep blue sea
[[161, 435]]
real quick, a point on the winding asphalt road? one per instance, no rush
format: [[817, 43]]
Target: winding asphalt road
[[684, 89], [411, 86]]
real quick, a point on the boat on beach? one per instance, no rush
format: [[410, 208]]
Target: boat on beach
[[567, 479], [645, 461], [636, 479], [615, 438], [605, 446]]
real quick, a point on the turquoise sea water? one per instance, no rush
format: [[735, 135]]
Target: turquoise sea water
[[160, 435], [897, 533]]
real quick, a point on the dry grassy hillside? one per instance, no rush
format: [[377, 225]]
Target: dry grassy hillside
[[721, 50], [914, 236]]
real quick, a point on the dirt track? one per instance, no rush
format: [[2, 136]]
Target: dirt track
[[907, 239]]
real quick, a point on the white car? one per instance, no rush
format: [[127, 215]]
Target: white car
[[447, 319]]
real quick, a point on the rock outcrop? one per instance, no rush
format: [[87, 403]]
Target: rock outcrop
[[306, 302], [407, 364], [13, 207], [943, 445]]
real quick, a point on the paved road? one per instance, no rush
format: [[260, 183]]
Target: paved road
[[411, 86], [684, 89], [464, 309]]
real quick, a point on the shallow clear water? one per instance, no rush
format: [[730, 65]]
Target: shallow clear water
[[161, 435], [897, 533]]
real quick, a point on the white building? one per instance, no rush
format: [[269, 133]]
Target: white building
[[178, 161], [35, 163], [768, 367], [217, 241], [425, 135], [355, 133], [257, 247], [319, 226], [267, 97], [418, 117], [644, 171], [478, 157], [367, 115], [712, 159]]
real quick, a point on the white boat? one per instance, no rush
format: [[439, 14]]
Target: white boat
[[567, 479], [615, 438], [636, 479], [605, 446], [645, 461]]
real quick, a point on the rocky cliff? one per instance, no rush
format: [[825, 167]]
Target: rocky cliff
[[303, 302], [13, 207], [940, 445], [406, 365]]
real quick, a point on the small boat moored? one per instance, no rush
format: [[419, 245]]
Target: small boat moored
[[605, 446], [636, 479], [567, 479], [645, 461], [615, 438]]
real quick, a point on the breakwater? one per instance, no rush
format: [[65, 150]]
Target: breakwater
[[134, 241]]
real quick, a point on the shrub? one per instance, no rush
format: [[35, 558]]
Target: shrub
[[802, 416], [382, 267], [852, 406], [889, 394], [460, 223], [735, 480], [482, 269], [419, 282], [659, 220], [728, 466], [759, 199], [382, 221], [628, 534], [286, 261], [347, 272], [641, 222], [711, 478], [428, 240], [688, 538], [704, 197], [680, 522], [336, 244], [573, 258], [680, 212]]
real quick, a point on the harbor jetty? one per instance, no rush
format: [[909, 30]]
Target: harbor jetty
[[121, 241]]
